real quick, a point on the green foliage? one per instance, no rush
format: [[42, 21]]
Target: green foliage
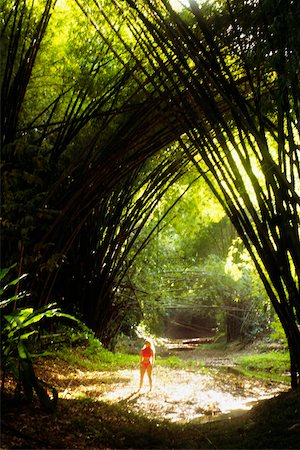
[[226, 288], [80, 346], [18, 328], [169, 271], [5, 286]]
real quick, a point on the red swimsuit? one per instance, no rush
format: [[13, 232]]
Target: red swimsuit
[[147, 354]]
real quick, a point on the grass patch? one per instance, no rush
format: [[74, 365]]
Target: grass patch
[[103, 359], [264, 375], [95, 357], [272, 365]]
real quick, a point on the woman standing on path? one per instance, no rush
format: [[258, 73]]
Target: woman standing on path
[[147, 357]]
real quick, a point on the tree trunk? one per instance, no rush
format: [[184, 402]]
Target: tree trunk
[[292, 331]]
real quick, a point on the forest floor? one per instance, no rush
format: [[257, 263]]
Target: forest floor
[[209, 407]]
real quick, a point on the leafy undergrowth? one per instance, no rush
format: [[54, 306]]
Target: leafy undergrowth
[[191, 407]]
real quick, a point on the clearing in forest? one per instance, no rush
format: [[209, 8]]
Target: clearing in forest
[[196, 407], [203, 393]]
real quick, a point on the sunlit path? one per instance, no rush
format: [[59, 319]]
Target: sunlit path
[[203, 393], [180, 395]]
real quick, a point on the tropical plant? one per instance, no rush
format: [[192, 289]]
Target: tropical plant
[[18, 327]]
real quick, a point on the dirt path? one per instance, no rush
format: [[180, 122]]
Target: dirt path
[[178, 395], [181, 395]]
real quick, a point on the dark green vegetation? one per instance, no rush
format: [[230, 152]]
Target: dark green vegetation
[[17, 330], [150, 171]]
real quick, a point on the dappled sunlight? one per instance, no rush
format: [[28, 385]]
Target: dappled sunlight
[[178, 5], [104, 409], [180, 395]]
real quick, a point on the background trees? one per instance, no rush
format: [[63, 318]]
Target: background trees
[[196, 272]]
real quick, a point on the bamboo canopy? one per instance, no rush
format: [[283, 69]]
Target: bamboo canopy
[[221, 81]]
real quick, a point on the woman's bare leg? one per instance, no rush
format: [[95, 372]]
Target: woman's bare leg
[[142, 373], [149, 372]]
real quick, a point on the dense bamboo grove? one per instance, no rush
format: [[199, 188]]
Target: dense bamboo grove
[[221, 81]]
